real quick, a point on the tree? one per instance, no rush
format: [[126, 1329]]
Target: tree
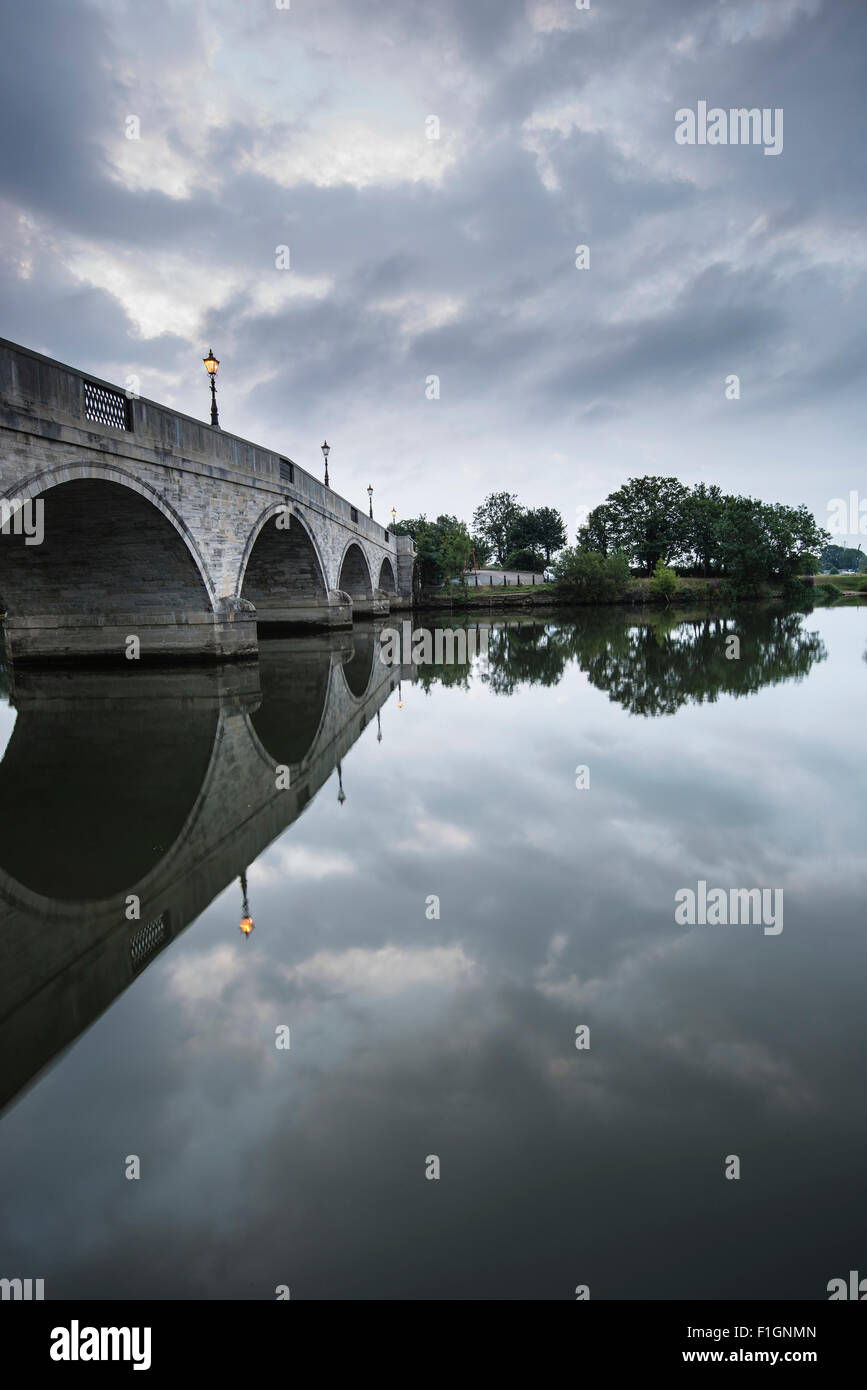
[[595, 534], [703, 513], [548, 530], [494, 519], [481, 547], [663, 582], [646, 519], [841, 557], [525, 560], [443, 547], [523, 538], [762, 541], [589, 577]]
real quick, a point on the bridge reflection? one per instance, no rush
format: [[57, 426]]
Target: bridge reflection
[[162, 784]]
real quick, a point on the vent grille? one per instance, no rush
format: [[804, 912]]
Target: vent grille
[[287, 470], [146, 941], [106, 407]]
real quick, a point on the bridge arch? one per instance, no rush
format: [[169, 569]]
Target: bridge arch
[[111, 545], [67, 773], [288, 723], [358, 671], [355, 577], [282, 562], [110, 539], [387, 580]]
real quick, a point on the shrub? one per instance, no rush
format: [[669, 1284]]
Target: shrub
[[589, 577], [663, 582]]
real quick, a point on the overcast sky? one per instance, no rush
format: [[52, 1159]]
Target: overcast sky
[[410, 257]]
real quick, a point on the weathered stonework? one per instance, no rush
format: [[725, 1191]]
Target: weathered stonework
[[168, 530]]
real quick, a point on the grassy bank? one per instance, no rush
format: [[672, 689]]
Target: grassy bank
[[826, 589]]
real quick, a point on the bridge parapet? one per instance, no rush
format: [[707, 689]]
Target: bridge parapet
[[219, 493], [41, 386]]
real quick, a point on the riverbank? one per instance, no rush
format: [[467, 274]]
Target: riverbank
[[825, 590]]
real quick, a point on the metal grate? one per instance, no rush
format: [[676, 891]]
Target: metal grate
[[287, 470], [105, 406], [354, 513], [146, 940]]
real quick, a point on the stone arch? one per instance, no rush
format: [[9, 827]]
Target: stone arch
[[355, 573], [288, 721], [102, 770], [281, 564], [357, 672], [112, 545], [387, 580]]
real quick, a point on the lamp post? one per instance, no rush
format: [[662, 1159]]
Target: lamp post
[[211, 365], [246, 919], [370, 495], [326, 450], [378, 728], [393, 516], [341, 795]]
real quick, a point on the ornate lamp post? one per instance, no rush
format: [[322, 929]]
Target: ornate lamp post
[[370, 496], [211, 365], [326, 450], [393, 516], [246, 919]]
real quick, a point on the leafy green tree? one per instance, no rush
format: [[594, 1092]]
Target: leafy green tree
[[525, 560], [494, 520], [765, 542], [481, 548], [443, 547], [663, 582], [588, 577], [703, 515], [646, 519], [841, 557], [524, 536], [455, 548], [541, 529], [596, 533]]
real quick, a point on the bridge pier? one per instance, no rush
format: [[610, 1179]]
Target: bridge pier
[[77, 637], [376, 605], [334, 610]]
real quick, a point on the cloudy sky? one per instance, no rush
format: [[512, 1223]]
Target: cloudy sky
[[308, 127]]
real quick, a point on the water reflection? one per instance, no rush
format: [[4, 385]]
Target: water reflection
[[451, 1032], [651, 664], [131, 798]]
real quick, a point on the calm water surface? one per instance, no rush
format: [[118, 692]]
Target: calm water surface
[[415, 1035]]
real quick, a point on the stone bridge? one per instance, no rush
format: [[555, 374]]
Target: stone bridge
[[157, 784], [162, 528]]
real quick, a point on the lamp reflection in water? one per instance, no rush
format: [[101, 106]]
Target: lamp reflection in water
[[246, 919], [341, 795]]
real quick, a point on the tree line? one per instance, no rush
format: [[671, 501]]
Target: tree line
[[848, 559], [504, 531], [648, 524], [700, 530]]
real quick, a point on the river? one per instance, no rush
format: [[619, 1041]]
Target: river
[[467, 1050]]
